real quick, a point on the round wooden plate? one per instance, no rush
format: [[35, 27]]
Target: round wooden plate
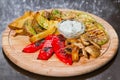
[[13, 46]]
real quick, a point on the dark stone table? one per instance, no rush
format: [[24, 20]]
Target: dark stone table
[[106, 9]]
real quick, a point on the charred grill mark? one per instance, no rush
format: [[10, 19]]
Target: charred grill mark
[[39, 42], [46, 49], [61, 38]]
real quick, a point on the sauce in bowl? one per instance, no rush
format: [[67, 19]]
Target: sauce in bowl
[[71, 28]]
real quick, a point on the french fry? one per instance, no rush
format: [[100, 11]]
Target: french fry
[[36, 26], [43, 34], [19, 22]]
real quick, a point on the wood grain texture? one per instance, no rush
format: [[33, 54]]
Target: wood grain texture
[[13, 46]]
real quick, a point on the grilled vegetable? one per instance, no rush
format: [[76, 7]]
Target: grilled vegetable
[[97, 34], [62, 56], [95, 44], [28, 29], [90, 24], [33, 47], [93, 51], [43, 22], [37, 27], [84, 40], [47, 50], [84, 17], [69, 16], [55, 14], [84, 53], [58, 47], [46, 14], [87, 41], [75, 54]]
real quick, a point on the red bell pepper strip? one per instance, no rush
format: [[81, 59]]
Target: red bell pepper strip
[[58, 47], [66, 58], [33, 47], [46, 51]]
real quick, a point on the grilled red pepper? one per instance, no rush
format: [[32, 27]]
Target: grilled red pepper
[[58, 46], [47, 49], [66, 58], [33, 47]]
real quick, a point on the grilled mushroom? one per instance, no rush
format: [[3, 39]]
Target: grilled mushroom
[[75, 54], [80, 45], [84, 40], [87, 41], [95, 44], [93, 51], [84, 53]]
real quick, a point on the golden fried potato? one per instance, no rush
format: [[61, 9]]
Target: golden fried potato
[[19, 22], [75, 54], [43, 34], [93, 51]]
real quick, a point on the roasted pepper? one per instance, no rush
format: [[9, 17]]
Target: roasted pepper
[[47, 49], [58, 46], [66, 58], [33, 47]]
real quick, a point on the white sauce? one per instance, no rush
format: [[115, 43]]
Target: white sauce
[[71, 29]]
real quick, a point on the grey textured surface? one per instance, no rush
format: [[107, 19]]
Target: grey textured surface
[[106, 9]]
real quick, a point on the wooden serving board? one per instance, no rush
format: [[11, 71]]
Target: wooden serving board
[[13, 46]]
